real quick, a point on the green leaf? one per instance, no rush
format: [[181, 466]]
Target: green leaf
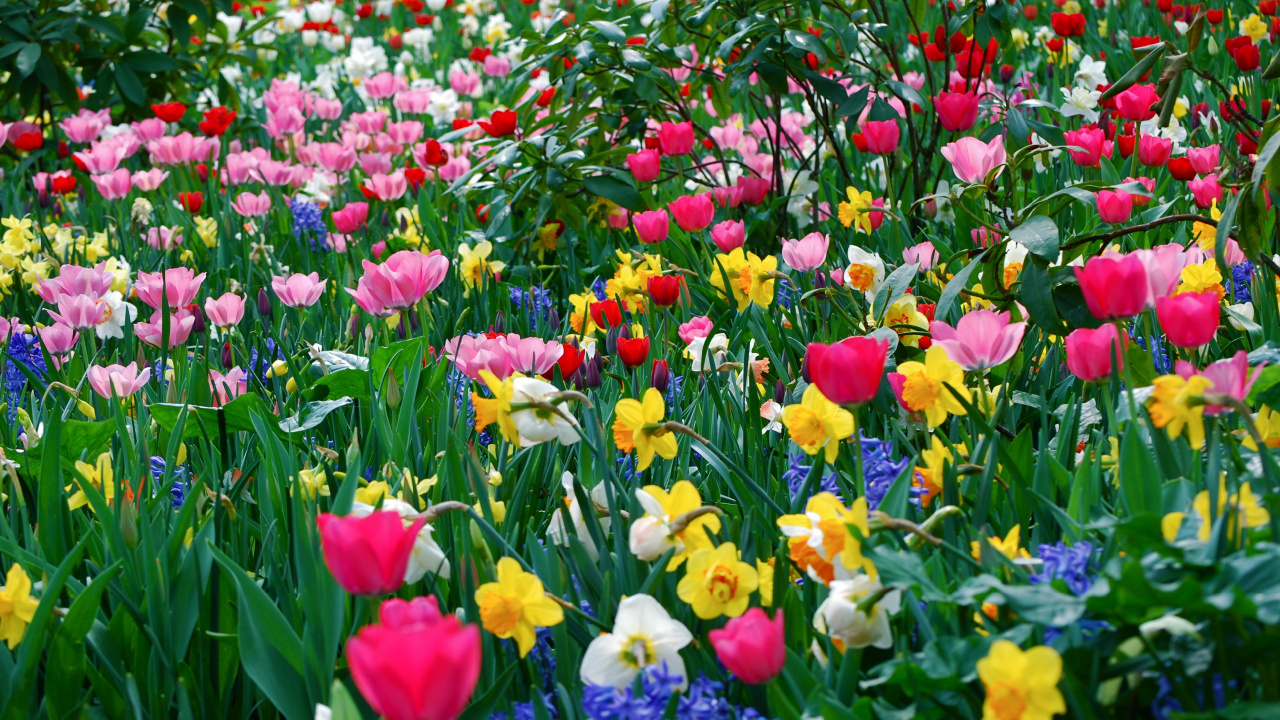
[[1037, 296], [238, 412], [807, 42], [348, 382], [616, 191], [893, 288], [1130, 78], [1139, 478], [957, 283], [1040, 235], [907, 93], [150, 61], [610, 31], [341, 703], [312, 414], [27, 58], [130, 87]]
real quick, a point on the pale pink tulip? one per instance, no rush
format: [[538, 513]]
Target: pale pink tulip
[[982, 339], [119, 381], [298, 290], [226, 311]]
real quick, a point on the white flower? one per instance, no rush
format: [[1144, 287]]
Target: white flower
[[443, 107], [772, 412], [1015, 252], [650, 536], [559, 534], [840, 619], [713, 350], [333, 42], [292, 20], [803, 193], [320, 12], [365, 60], [232, 23], [1171, 624], [643, 634], [141, 211], [427, 556], [865, 271], [1092, 73], [1244, 310], [537, 425], [118, 313], [419, 38], [1080, 102], [497, 29]]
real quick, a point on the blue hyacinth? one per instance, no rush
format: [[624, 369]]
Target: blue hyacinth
[[181, 480], [797, 472], [1238, 283], [309, 224], [24, 350], [1069, 563], [880, 470]]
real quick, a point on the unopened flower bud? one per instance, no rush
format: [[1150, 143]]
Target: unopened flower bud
[[661, 377], [264, 303], [650, 538]]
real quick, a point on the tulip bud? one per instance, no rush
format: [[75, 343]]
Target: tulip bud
[[780, 392], [553, 318], [661, 377], [199, 326], [128, 525], [393, 392], [611, 339], [500, 323], [804, 369], [353, 328], [591, 376], [228, 358], [819, 280], [649, 539], [264, 303], [400, 330], [414, 322]]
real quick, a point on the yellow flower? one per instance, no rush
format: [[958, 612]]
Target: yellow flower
[[717, 583], [373, 492], [1020, 38], [854, 211], [1009, 546], [475, 265], [516, 604], [1201, 278], [755, 282], [1245, 508], [313, 482], [546, 239], [764, 570], [818, 423], [580, 319], [931, 386], [1255, 27], [821, 537], [935, 460], [18, 230], [730, 266], [682, 498], [904, 317], [207, 229], [17, 607], [98, 475], [1021, 685], [34, 271], [496, 409], [1268, 423], [636, 426], [1171, 409]]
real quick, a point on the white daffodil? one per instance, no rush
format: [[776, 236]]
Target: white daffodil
[[118, 314], [558, 533], [865, 272], [1092, 73], [427, 556], [644, 635], [1080, 102], [539, 425], [840, 619], [712, 349]]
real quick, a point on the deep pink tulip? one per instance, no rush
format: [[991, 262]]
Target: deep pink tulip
[[982, 339], [113, 185], [1090, 352], [1153, 150], [250, 205], [675, 138], [727, 197], [956, 111], [972, 160], [645, 165], [179, 286], [881, 135], [729, 234], [754, 189], [76, 280], [1135, 103], [1114, 287], [367, 555], [848, 372], [752, 646], [1204, 160], [1205, 191], [1189, 320], [1114, 206], [122, 380], [1230, 376], [151, 331], [351, 217], [400, 282], [418, 664], [1090, 140], [693, 212], [298, 290], [807, 253], [651, 226], [226, 311]]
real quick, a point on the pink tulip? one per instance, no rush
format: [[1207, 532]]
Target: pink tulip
[[982, 339], [848, 372], [84, 127], [179, 286], [81, 312], [406, 132], [972, 160], [350, 217], [1230, 376], [367, 555], [1153, 150], [1090, 352], [58, 338], [693, 212], [389, 187], [502, 355], [417, 664], [151, 332], [807, 253], [752, 646], [384, 85], [675, 138], [335, 157], [164, 237], [250, 205], [375, 163], [1204, 160], [181, 149], [400, 282], [651, 226], [982, 237], [881, 135], [226, 388], [729, 234], [645, 165], [1135, 103], [114, 185], [1114, 287], [276, 173], [922, 254], [76, 280], [225, 312], [118, 380], [298, 290], [754, 189], [956, 111], [1114, 206], [619, 219], [149, 129], [1163, 265], [1205, 191], [1090, 140], [698, 327], [327, 109], [148, 180], [1148, 183], [1189, 320]]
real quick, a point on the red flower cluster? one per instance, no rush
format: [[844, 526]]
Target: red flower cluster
[[216, 121]]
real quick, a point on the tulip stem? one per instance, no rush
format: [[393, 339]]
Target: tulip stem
[[1184, 217]]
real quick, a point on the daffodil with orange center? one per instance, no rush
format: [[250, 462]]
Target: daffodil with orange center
[[638, 426], [1021, 685], [717, 582], [931, 387], [516, 605], [817, 424], [820, 541]]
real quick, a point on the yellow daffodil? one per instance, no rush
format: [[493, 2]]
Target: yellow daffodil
[[756, 281], [820, 541], [1172, 410], [1267, 421], [1021, 685], [1009, 546], [764, 570], [1244, 506], [663, 508], [1201, 278], [17, 607], [717, 582], [580, 319], [313, 482], [932, 386], [904, 317], [817, 423], [1255, 27], [207, 230], [935, 459], [373, 492], [516, 604], [496, 409], [18, 230], [98, 475], [475, 266], [854, 211], [637, 426]]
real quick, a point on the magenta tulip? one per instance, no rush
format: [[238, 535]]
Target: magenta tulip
[[645, 165], [728, 235], [881, 135], [1114, 287], [956, 111], [367, 555], [652, 226], [1090, 352], [1114, 206], [752, 646], [1189, 320], [693, 212]]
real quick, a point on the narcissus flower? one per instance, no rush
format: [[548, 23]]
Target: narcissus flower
[[820, 541], [516, 604], [644, 635], [717, 582], [474, 265], [818, 424], [653, 534], [1171, 407], [933, 387], [855, 210], [1021, 685], [17, 607], [1246, 511], [99, 476], [638, 426], [848, 626], [1010, 546]]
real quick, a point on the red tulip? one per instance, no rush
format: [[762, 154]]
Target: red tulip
[[217, 121], [752, 646], [1189, 320], [170, 112], [570, 360], [1067, 24], [416, 665], [28, 141], [1181, 168], [956, 111], [191, 201], [633, 351], [1114, 287], [367, 555], [435, 155], [500, 124], [1090, 352], [665, 290], [606, 313], [848, 372]]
